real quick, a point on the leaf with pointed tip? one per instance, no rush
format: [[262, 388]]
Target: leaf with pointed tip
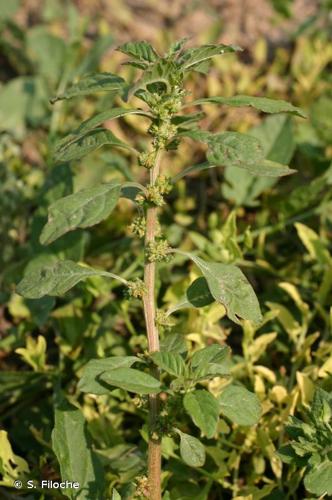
[[233, 149], [95, 367], [90, 84], [173, 342], [229, 286], [102, 117], [264, 104], [319, 479], [204, 410], [191, 449], [71, 446], [240, 405], [140, 51], [131, 380], [171, 362], [56, 278], [210, 362], [160, 72], [80, 210], [214, 353], [73, 148], [195, 56]]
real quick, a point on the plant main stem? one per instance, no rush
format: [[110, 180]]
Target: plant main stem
[[154, 453]]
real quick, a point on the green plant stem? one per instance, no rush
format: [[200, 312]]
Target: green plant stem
[[154, 453]]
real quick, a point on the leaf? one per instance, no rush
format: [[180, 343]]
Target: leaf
[[162, 72], [80, 210], [229, 286], [102, 117], [191, 449], [210, 362], [203, 408], [234, 149], [214, 353], [115, 495], [264, 104], [198, 294], [56, 278], [74, 149], [277, 139], [171, 362], [76, 459], [94, 368], [194, 56], [240, 405], [319, 479], [98, 82], [173, 342], [11, 465], [140, 51], [132, 380]]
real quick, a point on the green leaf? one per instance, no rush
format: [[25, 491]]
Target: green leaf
[[198, 294], [140, 51], [94, 368], [240, 405], [264, 104], [163, 72], [210, 362], [171, 362], [319, 479], [277, 139], [204, 410], [90, 84], [76, 459], [268, 168], [214, 353], [229, 286], [115, 495], [132, 380], [75, 148], [100, 118], [234, 149], [56, 278], [191, 449], [173, 342], [80, 210], [194, 56]]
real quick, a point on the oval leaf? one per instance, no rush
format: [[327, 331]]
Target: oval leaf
[[240, 405], [204, 410], [74, 149], [191, 449], [94, 368], [140, 51], [90, 84], [229, 286], [80, 210], [264, 104], [171, 362], [131, 380], [194, 56], [76, 459], [56, 278], [319, 479]]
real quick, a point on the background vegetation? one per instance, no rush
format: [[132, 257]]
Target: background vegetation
[[279, 231]]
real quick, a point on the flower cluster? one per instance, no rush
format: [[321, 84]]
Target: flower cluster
[[158, 251]]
